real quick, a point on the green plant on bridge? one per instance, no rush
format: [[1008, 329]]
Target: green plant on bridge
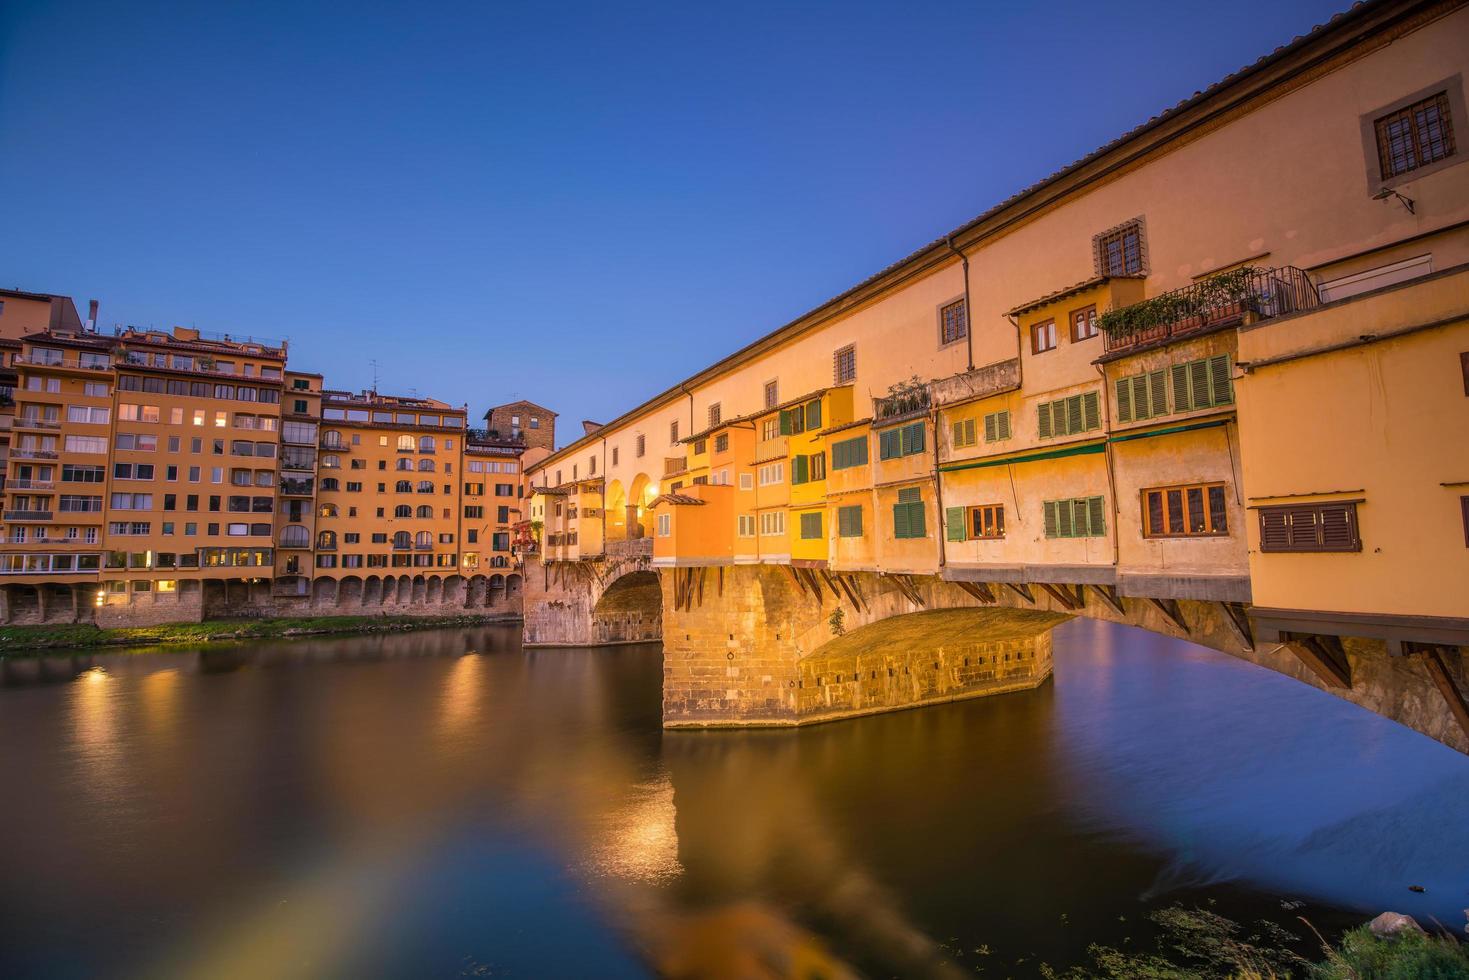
[[837, 621], [1226, 293]]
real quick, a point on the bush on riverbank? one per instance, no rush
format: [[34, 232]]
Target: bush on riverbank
[[36, 640], [1197, 944]]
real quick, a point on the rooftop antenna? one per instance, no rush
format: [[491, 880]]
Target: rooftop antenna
[[373, 362]]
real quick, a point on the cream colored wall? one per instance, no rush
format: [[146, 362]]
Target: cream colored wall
[[1023, 488]]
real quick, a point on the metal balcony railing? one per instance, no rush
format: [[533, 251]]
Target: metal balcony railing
[[31, 485], [1227, 299], [297, 488], [32, 454], [28, 515], [73, 363]]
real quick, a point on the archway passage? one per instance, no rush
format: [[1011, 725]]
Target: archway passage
[[630, 611]]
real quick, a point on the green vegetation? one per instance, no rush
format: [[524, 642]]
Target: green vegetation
[[1196, 944], [1228, 290], [35, 640]]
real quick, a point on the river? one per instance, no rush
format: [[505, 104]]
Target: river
[[444, 803]]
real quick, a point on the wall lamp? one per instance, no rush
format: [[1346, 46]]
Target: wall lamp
[[1388, 192]]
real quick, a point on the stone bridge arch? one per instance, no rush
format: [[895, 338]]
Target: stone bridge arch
[[563, 600]]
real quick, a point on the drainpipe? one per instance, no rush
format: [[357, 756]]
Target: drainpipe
[[604, 495], [968, 307], [1019, 360], [938, 489], [1111, 468]]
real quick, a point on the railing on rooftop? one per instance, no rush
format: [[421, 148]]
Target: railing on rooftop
[[100, 363], [1227, 299]]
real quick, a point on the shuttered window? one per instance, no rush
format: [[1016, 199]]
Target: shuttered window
[[813, 415], [849, 521], [849, 452], [1069, 416], [908, 520], [811, 526], [1202, 384], [800, 470], [1310, 527], [902, 441], [1078, 517], [954, 523], [793, 420], [997, 426], [1142, 396], [1185, 511], [963, 433]]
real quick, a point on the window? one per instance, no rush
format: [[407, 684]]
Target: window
[[1080, 517], [908, 514], [962, 433], [746, 525], [701, 446], [714, 415], [1328, 526], [772, 394], [665, 525], [90, 444], [614, 455], [811, 526], [1414, 136], [849, 521], [1188, 511], [638, 450], [1068, 416], [849, 452], [747, 481], [1042, 336], [772, 473], [1083, 324], [997, 426], [721, 443], [987, 521], [673, 433], [905, 440], [1142, 396], [844, 365], [772, 523], [806, 469], [1120, 251], [1202, 384], [953, 322]]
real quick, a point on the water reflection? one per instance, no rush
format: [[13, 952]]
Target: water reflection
[[444, 802]]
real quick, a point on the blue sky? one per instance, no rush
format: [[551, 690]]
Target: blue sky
[[444, 187]]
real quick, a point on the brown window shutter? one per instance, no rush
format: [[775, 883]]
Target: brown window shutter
[[1274, 529], [1464, 506]]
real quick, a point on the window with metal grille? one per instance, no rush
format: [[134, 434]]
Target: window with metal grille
[[721, 443], [1120, 251], [701, 446], [1310, 527], [1083, 324], [849, 521], [1078, 517], [908, 520], [1042, 336], [1414, 136], [811, 526], [962, 433], [772, 394], [713, 415], [844, 364], [1185, 511], [1068, 416], [997, 426], [638, 449], [673, 432], [953, 322]]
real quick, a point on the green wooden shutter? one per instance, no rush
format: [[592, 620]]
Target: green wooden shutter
[[900, 520], [1080, 519], [838, 455], [1043, 420], [1158, 393], [887, 444], [1096, 517], [1073, 414], [859, 451], [800, 469], [785, 422], [1182, 396], [991, 427], [1124, 400], [916, 520], [1003, 423], [1091, 410], [813, 414], [954, 523], [1065, 526], [856, 521], [1219, 380], [913, 437], [1198, 375], [1051, 521], [969, 429]]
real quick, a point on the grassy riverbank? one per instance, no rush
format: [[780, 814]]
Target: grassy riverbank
[[36, 640]]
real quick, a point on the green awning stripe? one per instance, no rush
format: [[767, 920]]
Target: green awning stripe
[[1087, 450], [1129, 436]]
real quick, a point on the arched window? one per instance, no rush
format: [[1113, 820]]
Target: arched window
[[332, 440], [330, 483], [403, 486], [425, 486], [402, 539], [327, 541], [404, 464], [425, 444], [402, 510], [423, 539], [425, 466], [426, 512], [328, 510], [405, 444], [330, 462], [295, 536]]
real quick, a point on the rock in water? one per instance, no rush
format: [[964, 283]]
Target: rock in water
[[1390, 924]]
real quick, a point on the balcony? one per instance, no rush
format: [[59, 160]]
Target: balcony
[[32, 454], [1232, 298], [423, 547], [31, 485], [297, 488], [66, 363], [27, 515], [336, 446], [903, 400], [31, 422]]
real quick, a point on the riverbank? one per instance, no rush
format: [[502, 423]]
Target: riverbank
[[37, 640]]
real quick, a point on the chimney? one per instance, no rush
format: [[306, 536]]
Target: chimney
[[92, 316]]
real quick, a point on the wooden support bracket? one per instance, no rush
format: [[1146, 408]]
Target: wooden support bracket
[[1238, 623], [826, 577], [1111, 598], [1438, 670], [847, 588], [1022, 589], [979, 590], [1169, 608], [1061, 593], [795, 577], [1326, 658]]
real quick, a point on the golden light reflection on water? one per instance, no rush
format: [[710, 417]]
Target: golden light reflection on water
[[460, 699], [638, 837]]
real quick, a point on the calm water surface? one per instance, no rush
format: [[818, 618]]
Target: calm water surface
[[445, 804]]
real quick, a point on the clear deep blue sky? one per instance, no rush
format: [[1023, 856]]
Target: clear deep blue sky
[[443, 187]]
